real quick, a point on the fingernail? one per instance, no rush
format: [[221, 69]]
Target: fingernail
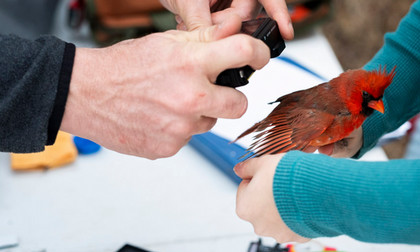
[[178, 19], [237, 167]]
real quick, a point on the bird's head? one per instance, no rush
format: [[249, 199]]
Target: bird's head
[[367, 89], [372, 88]]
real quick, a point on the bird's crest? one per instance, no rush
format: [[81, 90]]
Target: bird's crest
[[378, 80]]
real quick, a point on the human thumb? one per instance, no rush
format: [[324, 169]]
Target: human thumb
[[247, 169], [228, 27]]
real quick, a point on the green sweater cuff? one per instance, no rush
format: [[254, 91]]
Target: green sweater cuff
[[320, 196]]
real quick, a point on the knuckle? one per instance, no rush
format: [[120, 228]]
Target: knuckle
[[204, 34], [192, 102], [181, 128], [194, 22], [246, 49]]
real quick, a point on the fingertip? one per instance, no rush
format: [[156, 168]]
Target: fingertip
[[242, 105], [237, 169], [240, 169], [327, 149], [280, 13], [285, 26], [289, 33], [310, 149], [228, 102]]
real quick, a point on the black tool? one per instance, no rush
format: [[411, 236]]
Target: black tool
[[259, 247], [265, 29], [131, 248]]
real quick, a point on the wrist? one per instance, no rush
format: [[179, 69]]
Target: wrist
[[85, 79]]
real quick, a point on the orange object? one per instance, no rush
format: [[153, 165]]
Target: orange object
[[62, 152], [321, 115], [299, 13], [290, 247]]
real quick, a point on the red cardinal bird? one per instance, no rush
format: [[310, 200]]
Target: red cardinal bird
[[321, 115]]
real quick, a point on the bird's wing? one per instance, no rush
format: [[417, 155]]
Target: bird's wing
[[290, 130], [292, 100]]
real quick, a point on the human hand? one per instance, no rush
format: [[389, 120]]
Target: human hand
[[347, 147], [148, 96], [194, 14], [255, 201]]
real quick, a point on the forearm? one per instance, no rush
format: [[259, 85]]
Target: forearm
[[401, 98], [34, 77], [320, 196]]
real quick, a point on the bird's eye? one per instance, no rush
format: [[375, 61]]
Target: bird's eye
[[365, 94]]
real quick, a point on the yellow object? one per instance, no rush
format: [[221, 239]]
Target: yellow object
[[62, 152]]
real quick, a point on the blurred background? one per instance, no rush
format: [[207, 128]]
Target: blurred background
[[116, 201], [355, 28]]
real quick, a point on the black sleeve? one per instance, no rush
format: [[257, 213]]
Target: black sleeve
[[34, 83]]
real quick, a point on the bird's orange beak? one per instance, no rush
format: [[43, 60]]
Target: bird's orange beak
[[377, 105]]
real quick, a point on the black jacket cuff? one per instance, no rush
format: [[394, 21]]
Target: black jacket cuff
[[62, 92]]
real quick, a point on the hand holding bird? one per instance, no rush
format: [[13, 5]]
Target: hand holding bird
[[322, 115]]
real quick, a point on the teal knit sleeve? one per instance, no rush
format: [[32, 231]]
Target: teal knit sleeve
[[320, 196], [402, 97]]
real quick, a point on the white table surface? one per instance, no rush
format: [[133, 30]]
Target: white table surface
[[182, 203]]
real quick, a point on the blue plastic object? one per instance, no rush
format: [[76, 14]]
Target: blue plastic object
[[220, 152], [300, 66], [85, 146]]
